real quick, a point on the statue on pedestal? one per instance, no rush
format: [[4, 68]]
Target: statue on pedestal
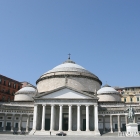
[[131, 114], [131, 127]]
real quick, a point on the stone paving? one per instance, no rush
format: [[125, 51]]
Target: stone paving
[[28, 137]]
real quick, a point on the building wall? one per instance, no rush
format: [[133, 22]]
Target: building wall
[[8, 87], [84, 84], [130, 94], [115, 121], [16, 120], [109, 97]]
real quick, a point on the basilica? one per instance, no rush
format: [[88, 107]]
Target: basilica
[[67, 98]]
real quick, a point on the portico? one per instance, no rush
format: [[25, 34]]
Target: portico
[[66, 114]]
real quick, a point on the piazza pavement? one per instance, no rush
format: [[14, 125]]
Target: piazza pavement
[[29, 137]]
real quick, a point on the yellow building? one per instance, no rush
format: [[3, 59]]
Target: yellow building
[[130, 94]]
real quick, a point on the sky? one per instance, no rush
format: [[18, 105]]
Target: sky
[[103, 36]]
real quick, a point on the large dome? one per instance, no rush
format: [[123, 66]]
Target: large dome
[[69, 66], [71, 74]]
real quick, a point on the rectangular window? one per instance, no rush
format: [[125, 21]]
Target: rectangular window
[[9, 118], [8, 91], [0, 124], [14, 85], [124, 99], [3, 98], [100, 120], [4, 82], [8, 99], [1, 118], [137, 99], [131, 99], [9, 84], [0, 80], [16, 118]]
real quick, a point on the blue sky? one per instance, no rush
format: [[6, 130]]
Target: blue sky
[[103, 36]]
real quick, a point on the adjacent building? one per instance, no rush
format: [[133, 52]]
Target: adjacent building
[[8, 87], [130, 94]]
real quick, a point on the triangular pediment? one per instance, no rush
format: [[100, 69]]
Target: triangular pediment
[[65, 93]]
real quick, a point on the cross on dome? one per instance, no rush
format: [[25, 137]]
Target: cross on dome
[[69, 56]]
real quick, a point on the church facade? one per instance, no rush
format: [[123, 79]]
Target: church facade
[[68, 98]]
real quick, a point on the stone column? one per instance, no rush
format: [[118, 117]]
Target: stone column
[[111, 124], [12, 124], [70, 118], [103, 123], [35, 117], [126, 120], [60, 117], [20, 123], [27, 123], [96, 130], [52, 118], [119, 123], [87, 117], [43, 117], [4, 124], [78, 118]]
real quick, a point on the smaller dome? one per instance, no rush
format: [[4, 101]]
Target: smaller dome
[[25, 94], [107, 89], [27, 89], [108, 94]]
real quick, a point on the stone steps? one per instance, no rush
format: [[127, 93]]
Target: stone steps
[[53, 133]]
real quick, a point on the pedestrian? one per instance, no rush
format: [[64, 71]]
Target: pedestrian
[[50, 133]]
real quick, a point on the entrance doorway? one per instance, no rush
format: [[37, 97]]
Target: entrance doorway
[[0, 124], [65, 121], [123, 127], [139, 127], [8, 127], [116, 126], [47, 124], [16, 125], [84, 124]]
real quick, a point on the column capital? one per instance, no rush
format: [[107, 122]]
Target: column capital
[[96, 105], [103, 115], [52, 105], [78, 105], [35, 104], [60, 105], [87, 105], [43, 104], [70, 105]]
